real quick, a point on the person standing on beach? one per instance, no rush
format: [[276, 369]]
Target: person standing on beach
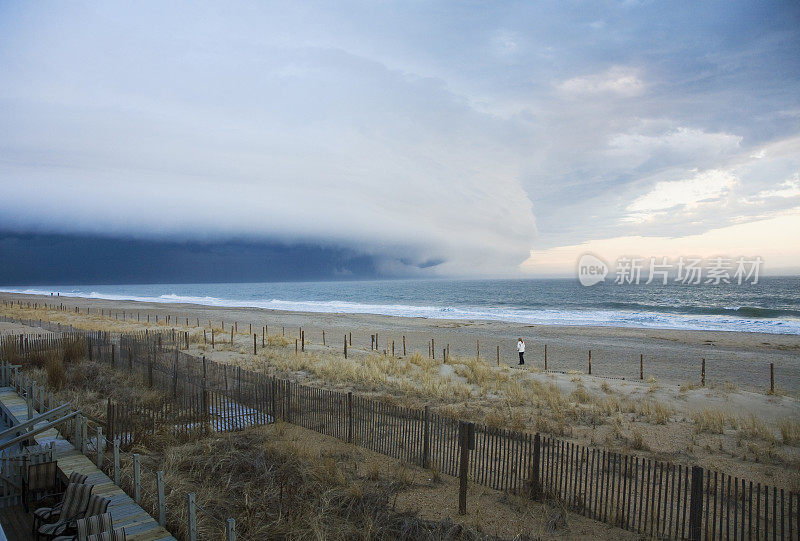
[[521, 351]]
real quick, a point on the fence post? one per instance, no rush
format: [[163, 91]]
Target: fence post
[[78, 432], [116, 462], [192, 517], [109, 419], [100, 444], [162, 504], [426, 441], [696, 504], [535, 479], [84, 435], [230, 529], [89, 347], [112, 354], [772, 378], [350, 417], [703, 374], [137, 488], [255, 337], [590, 362], [466, 434], [641, 366], [345, 346]]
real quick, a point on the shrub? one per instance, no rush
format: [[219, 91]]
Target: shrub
[[790, 430]]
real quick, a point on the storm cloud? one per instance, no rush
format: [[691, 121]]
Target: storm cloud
[[437, 138]]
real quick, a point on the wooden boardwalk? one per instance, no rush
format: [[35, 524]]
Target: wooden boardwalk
[[138, 524]]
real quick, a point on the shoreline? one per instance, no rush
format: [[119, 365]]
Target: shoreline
[[652, 318], [669, 355]]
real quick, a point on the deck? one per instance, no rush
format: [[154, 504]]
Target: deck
[[138, 524]]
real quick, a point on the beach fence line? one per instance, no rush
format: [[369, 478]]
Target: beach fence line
[[651, 497], [183, 337]]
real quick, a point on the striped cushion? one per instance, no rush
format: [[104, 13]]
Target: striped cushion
[[93, 525], [115, 535], [97, 505], [79, 502]]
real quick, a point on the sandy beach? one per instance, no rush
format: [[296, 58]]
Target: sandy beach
[[671, 356]]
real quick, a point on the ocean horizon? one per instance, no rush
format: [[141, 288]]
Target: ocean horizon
[[770, 306]]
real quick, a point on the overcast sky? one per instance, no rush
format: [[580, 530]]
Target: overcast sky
[[459, 137]]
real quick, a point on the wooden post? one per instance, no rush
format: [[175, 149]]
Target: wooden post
[[535, 479], [100, 444], [696, 504], [703, 374], [323, 337], [404, 345], [137, 487], [263, 336], [302, 341], [205, 338], [230, 529], [590, 362], [349, 417], [350, 342], [112, 354], [466, 436], [295, 346], [192, 517], [498, 355], [392, 348], [426, 441], [251, 328], [162, 503], [545, 357], [372, 342], [116, 462], [641, 366], [345, 347], [78, 432], [231, 336], [433, 348], [772, 378], [212, 338], [255, 337], [84, 435], [478, 352]]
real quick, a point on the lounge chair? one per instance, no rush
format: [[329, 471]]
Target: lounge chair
[[98, 505], [40, 479], [74, 506], [90, 525], [47, 514]]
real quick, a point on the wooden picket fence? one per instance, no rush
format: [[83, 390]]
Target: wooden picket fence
[[650, 497]]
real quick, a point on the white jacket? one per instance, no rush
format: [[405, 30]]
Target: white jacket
[[521, 346]]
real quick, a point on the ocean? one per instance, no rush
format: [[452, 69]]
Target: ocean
[[771, 306]]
